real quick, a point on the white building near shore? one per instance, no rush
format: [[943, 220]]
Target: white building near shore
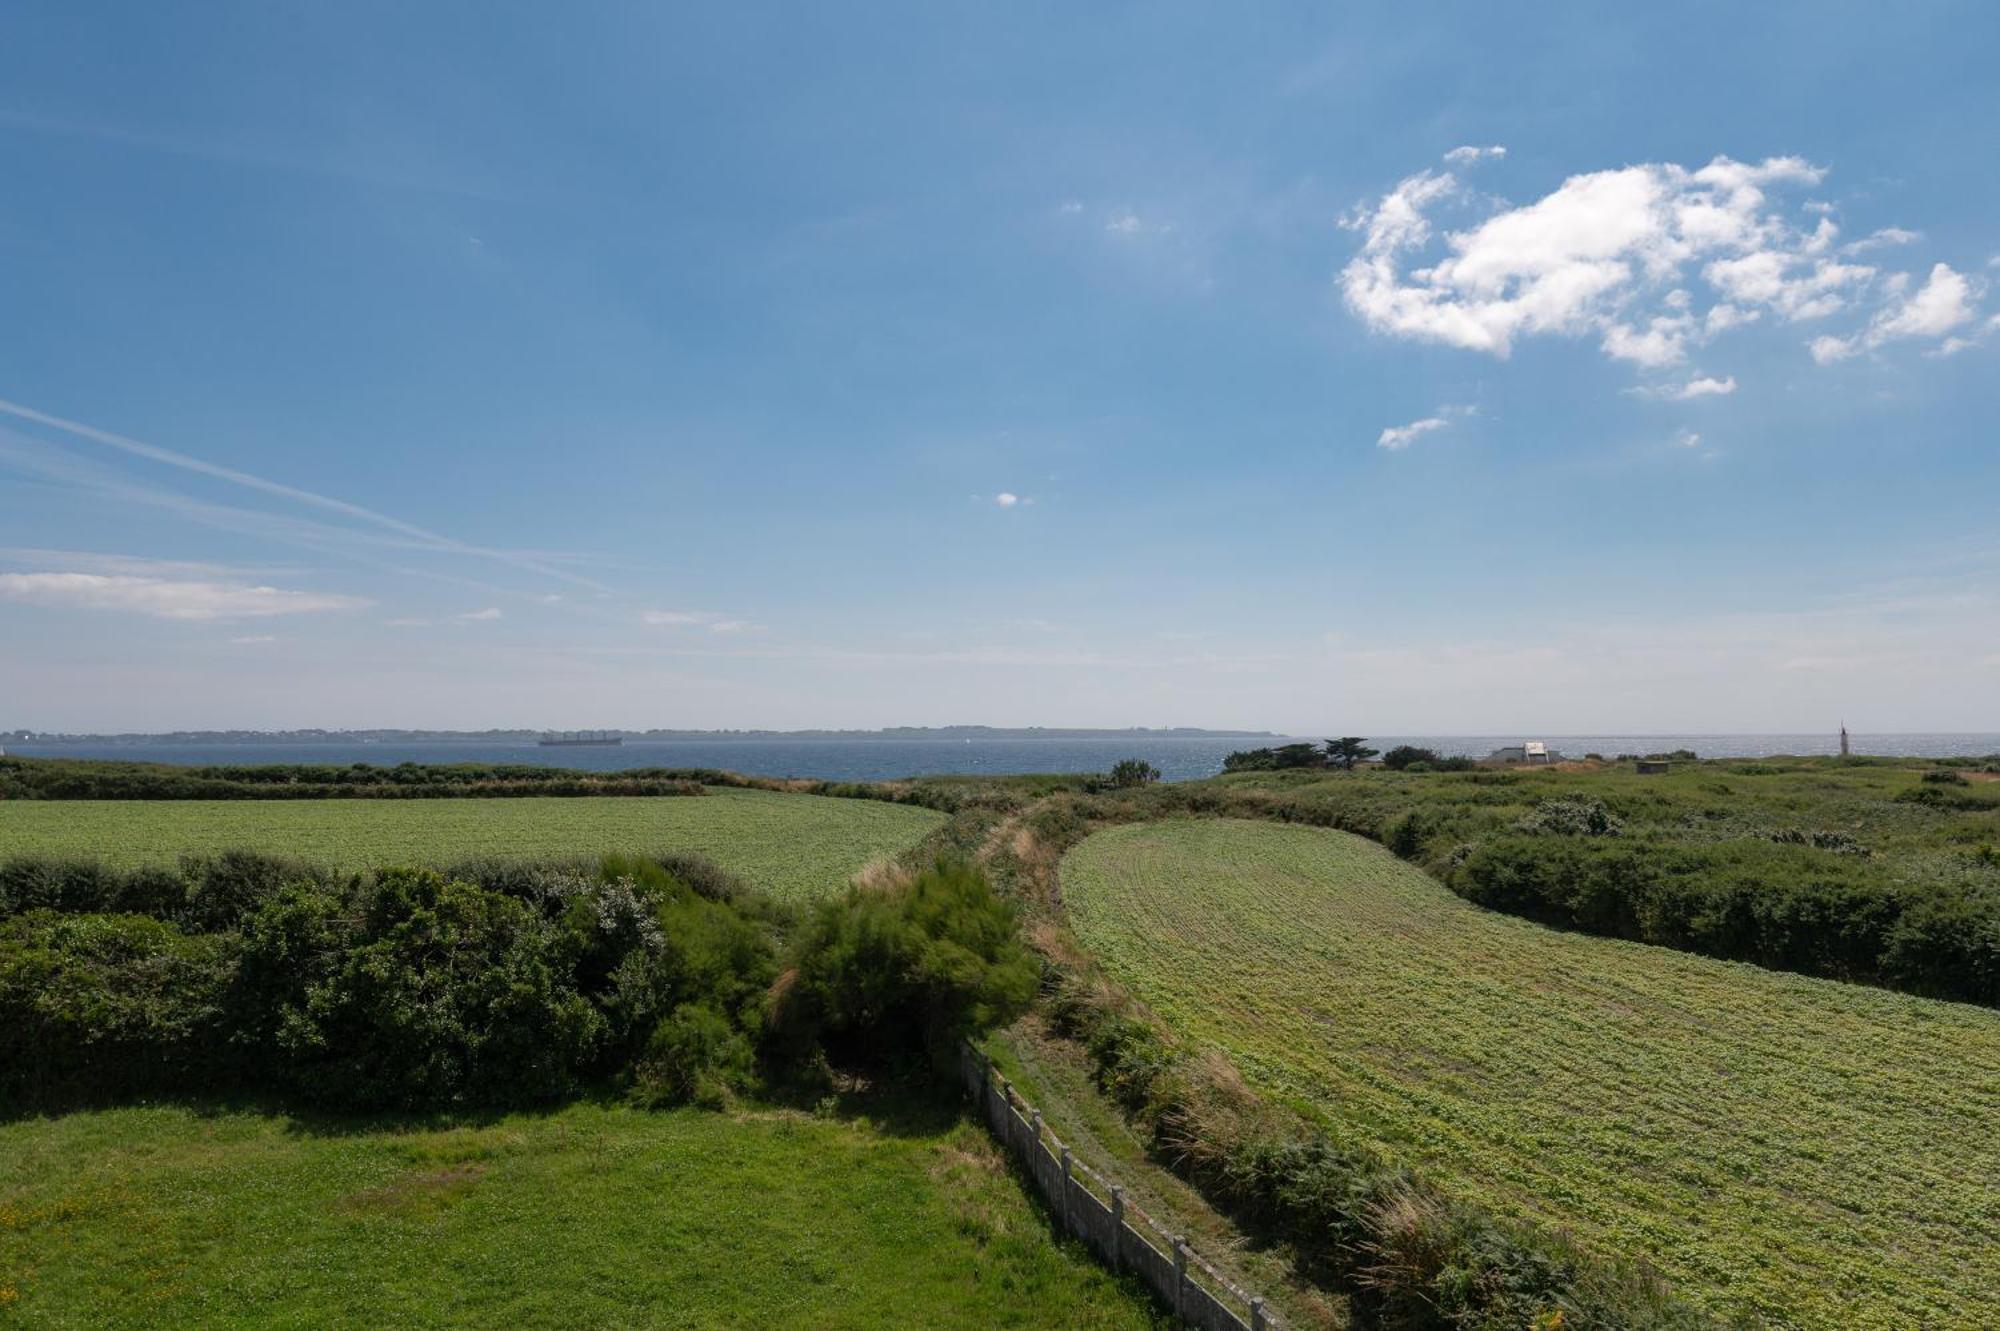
[[1531, 751]]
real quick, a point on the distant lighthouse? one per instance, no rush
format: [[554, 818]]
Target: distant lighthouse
[[1843, 739]]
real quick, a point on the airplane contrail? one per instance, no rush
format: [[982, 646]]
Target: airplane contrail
[[154, 453]]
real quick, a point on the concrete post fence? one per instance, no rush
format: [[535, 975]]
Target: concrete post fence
[[1101, 1217]]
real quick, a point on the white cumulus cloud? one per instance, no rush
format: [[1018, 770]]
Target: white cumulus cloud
[[1704, 386], [1946, 301], [1467, 154], [1008, 499], [1650, 260], [1887, 236], [166, 598]]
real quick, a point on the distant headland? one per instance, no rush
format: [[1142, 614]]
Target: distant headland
[[530, 736]]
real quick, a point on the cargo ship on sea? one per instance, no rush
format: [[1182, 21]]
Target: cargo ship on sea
[[570, 739]]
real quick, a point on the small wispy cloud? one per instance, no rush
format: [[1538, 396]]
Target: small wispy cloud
[[253, 640], [1008, 499], [1691, 441], [1883, 239], [1129, 225], [91, 561], [1398, 437], [166, 598], [1467, 154], [671, 618], [734, 626], [1698, 387], [486, 616]]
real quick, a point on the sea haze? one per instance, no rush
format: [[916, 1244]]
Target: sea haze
[[1179, 759]]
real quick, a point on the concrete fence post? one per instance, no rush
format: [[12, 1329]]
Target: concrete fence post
[[991, 1083], [1117, 1228], [1180, 1274], [1069, 1219]]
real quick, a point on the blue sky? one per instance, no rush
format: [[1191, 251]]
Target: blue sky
[[489, 365]]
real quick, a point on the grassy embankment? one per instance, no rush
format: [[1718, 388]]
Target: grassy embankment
[[796, 847], [590, 1216], [1805, 1152]]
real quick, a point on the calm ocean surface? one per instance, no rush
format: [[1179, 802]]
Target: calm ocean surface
[[877, 760]]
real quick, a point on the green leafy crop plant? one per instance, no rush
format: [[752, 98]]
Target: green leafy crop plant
[[1794, 1151]]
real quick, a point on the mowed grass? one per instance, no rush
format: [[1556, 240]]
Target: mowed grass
[[593, 1216], [1799, 1151], [794, 846]]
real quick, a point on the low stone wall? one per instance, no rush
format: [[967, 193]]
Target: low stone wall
[[1094, 1209]]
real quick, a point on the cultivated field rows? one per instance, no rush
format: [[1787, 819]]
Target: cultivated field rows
[[1807, 1152]]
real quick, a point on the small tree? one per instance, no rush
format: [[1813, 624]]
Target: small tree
[[1403, 755], [1347, 751], [1133, 772]]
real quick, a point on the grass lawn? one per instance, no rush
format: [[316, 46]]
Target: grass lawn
[[1805, 1152], [592, 1216], [794, 846]]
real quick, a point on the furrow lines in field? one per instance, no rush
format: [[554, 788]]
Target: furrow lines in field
[[1794, 1148]]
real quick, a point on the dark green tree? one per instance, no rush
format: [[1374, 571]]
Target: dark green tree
[[1403, 755], [1347, 751], [1133, 772]]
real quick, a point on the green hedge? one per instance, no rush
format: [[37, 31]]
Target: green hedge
[[85, 779], [1778, 904], [488, 983]]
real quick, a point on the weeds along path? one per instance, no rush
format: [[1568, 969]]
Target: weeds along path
[[1802, 1151]]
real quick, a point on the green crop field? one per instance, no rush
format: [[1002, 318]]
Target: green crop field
[[1800, 1151], [794, 846], [588, 1217]]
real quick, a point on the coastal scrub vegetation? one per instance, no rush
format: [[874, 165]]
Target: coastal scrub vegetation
[[486, 984]]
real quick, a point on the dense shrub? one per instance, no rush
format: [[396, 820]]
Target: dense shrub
[[696, 1054], [1572, 815], [419, 991], [1275, 759], [1131, 772], [102, 1005], [1949, 797], [887, 972], [410, 988], [1789, 907], [83, 779], [1403, 755]]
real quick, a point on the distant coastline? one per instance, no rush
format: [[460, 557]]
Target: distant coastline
[[531, 735]]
